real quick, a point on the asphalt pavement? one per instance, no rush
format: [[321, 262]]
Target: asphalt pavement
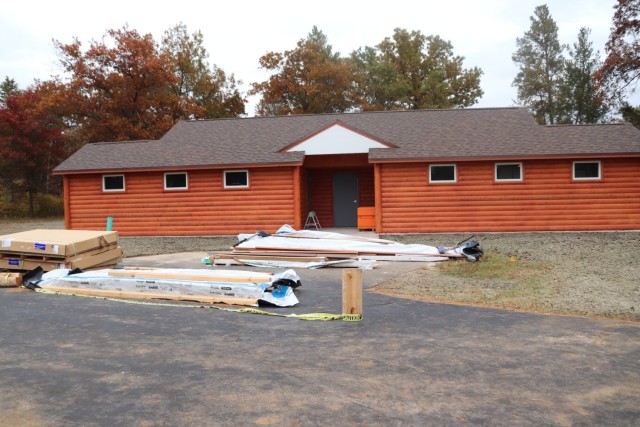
[[77, 361]]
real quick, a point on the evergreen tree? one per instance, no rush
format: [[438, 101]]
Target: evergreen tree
[[581, 102], [541, 65], [377, 82], [631, 114], [206, 91], [8, 87]]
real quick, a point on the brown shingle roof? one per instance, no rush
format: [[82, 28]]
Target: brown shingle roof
[[418, 134], [618, 138]]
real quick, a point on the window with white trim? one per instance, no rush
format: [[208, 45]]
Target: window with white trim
[[508, 172], [585, 170], [442, 173], [176, 181], [236, 179], [112, 183]]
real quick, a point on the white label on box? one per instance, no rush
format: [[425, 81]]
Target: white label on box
[[6, 243], [55, 249]]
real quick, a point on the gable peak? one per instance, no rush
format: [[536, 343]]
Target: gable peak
[[337, 138]]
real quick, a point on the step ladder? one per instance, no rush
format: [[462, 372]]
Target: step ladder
[[312, 221]]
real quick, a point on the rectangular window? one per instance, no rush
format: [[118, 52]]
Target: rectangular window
[[508, 171], [586, 170], [236, 179], [112, 182], [442, 173], [175, 181]]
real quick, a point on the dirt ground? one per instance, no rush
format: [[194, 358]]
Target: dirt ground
[[592, 274]]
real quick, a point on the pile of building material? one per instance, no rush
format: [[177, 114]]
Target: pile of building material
[[53, 249], [10, 280], [198, 285], [314, 249]]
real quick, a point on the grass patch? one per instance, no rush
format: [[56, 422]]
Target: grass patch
[[490, 267], [499, 280], [496, 280]]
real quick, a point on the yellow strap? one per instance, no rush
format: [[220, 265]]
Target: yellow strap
[[306, 316]]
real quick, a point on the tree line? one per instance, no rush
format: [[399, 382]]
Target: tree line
[[405, 71], [569, 84], [128, 86]]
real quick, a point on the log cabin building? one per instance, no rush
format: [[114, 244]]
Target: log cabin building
[[418, 171]]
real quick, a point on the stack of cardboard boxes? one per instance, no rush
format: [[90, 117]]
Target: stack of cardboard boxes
[[53, 249]]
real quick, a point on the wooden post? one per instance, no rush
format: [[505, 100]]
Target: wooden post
[[351, 291]]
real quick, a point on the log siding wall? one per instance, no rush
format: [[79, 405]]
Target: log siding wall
[[321, 195], [366, 188], [206, 208], [547, 199]]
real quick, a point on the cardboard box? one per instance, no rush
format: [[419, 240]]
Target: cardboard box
[[54, 258], [83, 261], [28, 265], [57, 242], [95, 260]]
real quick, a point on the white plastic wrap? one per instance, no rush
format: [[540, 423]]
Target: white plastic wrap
[[101, 280], [326, 241]]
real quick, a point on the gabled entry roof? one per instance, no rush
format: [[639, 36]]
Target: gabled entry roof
[[387, 136], [337, 138]]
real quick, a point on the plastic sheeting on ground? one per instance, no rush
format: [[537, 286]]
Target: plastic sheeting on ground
[[289, 239], [212, 286]]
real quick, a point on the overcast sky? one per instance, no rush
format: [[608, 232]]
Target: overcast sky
[[236, 34]]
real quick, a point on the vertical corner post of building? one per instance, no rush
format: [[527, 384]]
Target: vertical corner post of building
[[67, 202], [297, 198], [377, 183]]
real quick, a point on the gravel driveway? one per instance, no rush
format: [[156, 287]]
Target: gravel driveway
[[593, 274]]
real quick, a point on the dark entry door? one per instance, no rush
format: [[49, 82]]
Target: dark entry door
[[345, 199]]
